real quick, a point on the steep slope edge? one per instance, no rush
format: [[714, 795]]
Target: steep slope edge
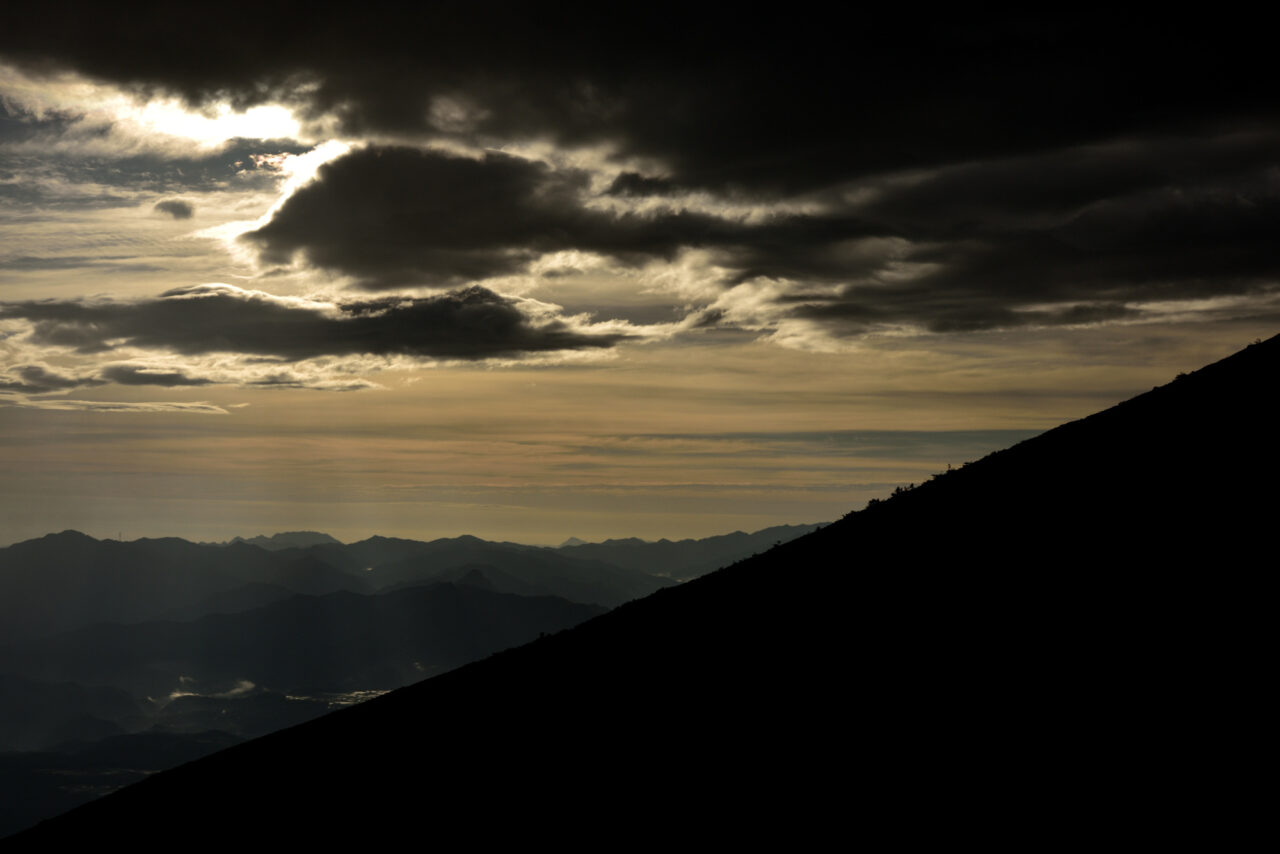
[[1016, 645]]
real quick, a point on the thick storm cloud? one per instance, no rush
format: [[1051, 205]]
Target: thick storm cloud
[[404, 216], [1072, 236], [469, 324], [139, 375], [773, 103], [938, 172]]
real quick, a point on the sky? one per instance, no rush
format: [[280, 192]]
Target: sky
[[530, 274]]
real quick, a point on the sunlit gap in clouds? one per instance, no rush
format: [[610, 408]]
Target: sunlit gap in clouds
[[97, 105], [218, 124]]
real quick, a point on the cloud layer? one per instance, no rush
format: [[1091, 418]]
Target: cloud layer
[[1069, 236], [222, 335], [473, 323], [907, 176], [776, 105], [395, 216]]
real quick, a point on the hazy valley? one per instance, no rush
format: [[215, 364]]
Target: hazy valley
[[120, 659]]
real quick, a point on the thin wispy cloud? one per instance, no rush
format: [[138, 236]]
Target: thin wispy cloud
[[68, 405]]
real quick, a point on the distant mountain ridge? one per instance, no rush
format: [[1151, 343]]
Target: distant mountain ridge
[[103, 638], [688, 558], [63, 581], [286, 540]]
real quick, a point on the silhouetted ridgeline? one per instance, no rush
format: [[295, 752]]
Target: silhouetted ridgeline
[[286, 540], [216, 636], [66, 581], [1028, 649]]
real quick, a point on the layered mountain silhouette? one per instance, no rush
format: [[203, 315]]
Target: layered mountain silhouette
[[250, 636], [82, 700], [65, 581], [1022, 649], [68, 580]]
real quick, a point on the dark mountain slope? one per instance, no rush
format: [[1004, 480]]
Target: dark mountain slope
[[1049, 644], [39, 785]]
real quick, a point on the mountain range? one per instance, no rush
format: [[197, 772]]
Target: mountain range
[[65, 581], [106, 641], [1053, 644]]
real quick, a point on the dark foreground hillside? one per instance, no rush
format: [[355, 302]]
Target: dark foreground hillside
[[1029, 649]]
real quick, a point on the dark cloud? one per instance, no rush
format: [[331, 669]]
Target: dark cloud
[[1069, 237], [1047, 189], [1079, 239], [850, 315], [468, 324], [38, 379], [394, 216], [635, 184], [772, 104], [959, 173], [141, 375], [403, 216], [175, 208]]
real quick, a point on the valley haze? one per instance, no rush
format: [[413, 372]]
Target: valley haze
[[120, 659]]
